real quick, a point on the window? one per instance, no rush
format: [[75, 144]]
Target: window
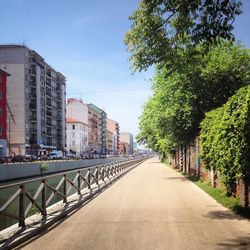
[[1, 95], [1, 112], [1, 130], [1, 79], [73, 126]]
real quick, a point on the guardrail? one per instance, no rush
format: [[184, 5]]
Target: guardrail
[[63, 185]]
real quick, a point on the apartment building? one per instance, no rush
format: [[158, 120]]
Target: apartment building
[[77, 126], [128, 139], [101, 119], [110, 143], [114, 128], [94, 140], [36, 97], [3, 113]]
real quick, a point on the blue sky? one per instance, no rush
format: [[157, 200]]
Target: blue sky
[[84, 40]]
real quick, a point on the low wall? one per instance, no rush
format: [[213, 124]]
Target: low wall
[[9, 172]]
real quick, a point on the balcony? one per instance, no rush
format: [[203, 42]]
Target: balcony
[[32, 106], [33, 131], [49, 114], [32, 119], [48, 73], [48, 103]]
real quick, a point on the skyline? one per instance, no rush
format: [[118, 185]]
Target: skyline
[[84, 41]]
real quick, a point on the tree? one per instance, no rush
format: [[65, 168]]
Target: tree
[[180, 100], [161, 27]]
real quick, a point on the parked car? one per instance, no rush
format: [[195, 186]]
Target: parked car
[[30, 157], [19, 158], [43, 158], [55, 155]]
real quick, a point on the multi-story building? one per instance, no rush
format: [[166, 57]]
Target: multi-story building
[[77, 125], [77, 136], [3, 113], [114, 128], [36, 97], [93, 128], [110, 143], [101, 147], [127, 138], [124, 148]]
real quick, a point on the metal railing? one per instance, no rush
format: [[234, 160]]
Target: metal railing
[[63, 185]]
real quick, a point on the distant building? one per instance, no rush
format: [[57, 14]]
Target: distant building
[[77, 136], [135, 146], [114, 128], [110, 143], [93, 130], [101, 147], [124, 148], [36, 97], [127, 138], [3, 113], [77, 118]]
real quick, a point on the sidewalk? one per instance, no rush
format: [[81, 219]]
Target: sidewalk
[[152, 207]]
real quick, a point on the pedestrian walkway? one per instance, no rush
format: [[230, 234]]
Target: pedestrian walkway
[[151, 207]]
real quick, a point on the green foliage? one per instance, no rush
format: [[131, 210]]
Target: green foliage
[[225, 137], [44, 166], [161, 27], [172, 115]]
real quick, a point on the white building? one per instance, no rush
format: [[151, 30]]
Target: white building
[[77, 125], [77, 136]]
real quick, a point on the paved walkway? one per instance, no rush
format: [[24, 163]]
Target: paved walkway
[[152, 207]]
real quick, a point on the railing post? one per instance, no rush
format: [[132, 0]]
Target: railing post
[[79, 182], [89, 179], [44, 199], [21, 207], [65, 189], [97, 176]]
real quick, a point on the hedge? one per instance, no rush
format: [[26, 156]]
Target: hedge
[[225, 138]]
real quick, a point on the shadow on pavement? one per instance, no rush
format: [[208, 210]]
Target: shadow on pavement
[[240, 243], [226, 215], [184, 179]]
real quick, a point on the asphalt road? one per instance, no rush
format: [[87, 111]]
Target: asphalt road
[[152, 207]]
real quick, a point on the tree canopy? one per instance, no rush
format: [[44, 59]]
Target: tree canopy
[[180, 100], [161, 27]]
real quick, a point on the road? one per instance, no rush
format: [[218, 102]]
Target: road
[[151, 207]]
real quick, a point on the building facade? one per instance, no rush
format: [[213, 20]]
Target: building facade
[[77, 137], [127, 138], [3, 113], [77, 110], [110, 143], [114, 128], [124, 148], [101, 129], [36, 97], [94, 141]]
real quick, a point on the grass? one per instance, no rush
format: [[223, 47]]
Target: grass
[[220, 196]]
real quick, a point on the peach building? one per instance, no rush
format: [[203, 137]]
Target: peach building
[[114, 128]]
